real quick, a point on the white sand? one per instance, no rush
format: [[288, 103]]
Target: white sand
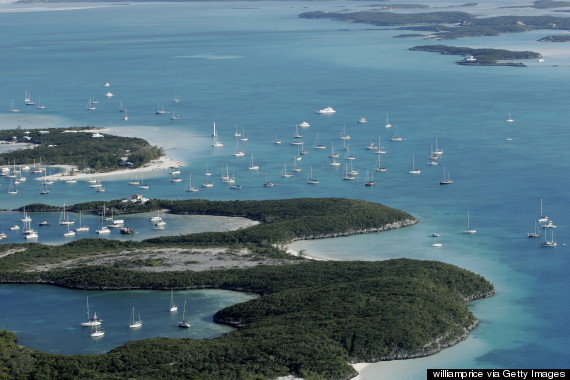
[[160, 164]]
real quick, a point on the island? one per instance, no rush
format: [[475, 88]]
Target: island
[[84, 150], [481, 57], [453, 25], [555, 38], [312, 319]]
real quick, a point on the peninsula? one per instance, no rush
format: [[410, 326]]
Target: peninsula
[[313, 317]]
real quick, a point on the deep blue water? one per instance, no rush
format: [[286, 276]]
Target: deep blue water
[[260, 67]]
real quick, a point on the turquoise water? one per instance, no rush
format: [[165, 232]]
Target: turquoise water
[[259, 66]]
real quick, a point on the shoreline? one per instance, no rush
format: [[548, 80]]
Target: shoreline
[[162, 163]]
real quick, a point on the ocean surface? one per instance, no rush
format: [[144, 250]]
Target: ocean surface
[[257, 69]]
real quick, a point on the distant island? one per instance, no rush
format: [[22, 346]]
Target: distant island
[[481, 57], [453, 25], [313, 317], [555, 38]]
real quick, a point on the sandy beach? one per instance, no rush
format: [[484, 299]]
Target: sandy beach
[[69, 171]]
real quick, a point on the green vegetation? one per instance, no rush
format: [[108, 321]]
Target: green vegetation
[[74, 146], [391, 19], [311, 321], [282, 221], [555, 38], [453, 25], [483, 57]]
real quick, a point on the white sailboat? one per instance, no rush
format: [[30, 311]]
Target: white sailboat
[[542, 218], [548, 243], [97, 332], [536, 233], [81, 228], [91, 321], [133, 324], [268, 182], [436, 244], [252, 166], [317, 144], [173, 308], [103, 230], [216, 143], [69, 232], [379, 167], [238, 152], [414, 170], [29, 232], [509, 118], [343, 134], [184, 323], [369, 180], [469, 230], [446, 179], [190, 187], [396, 137], [64, 217], [310, 179], [387, 124]]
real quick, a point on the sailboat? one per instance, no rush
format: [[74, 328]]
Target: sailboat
[[252, 166], [238, 153], [102, 228], [173, 306], [64, 217], [236, 133], [379, 167], [343, 134], [90, 104], [381, 149], [184, 323], [243, 137], [387, 124], [437, 151], [317, 144], [509, 118], [81, 227], [369, 181], [190, 187], [95, 321], [548, 243], [310, 179], [436, 243], [285, 173], [469, 229], [40, 106], [159, 110], [43, 188], [268, 182], [534, 234], [133, 324], [396, 137], [216, 143], [29, 232], [542, 218], [11, 188], [414, 170], [12, 108], [142, 184], [174, 116], [96, 332], [125, 116], [446, 179], [69, 232]]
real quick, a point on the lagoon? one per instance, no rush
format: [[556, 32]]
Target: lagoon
[[48, 318]]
